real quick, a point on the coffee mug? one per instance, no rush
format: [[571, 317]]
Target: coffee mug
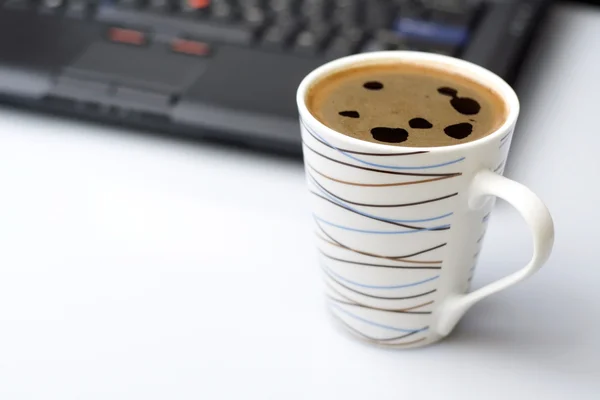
[[399, 230]]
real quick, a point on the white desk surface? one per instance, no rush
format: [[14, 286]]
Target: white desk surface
[[136, 267]]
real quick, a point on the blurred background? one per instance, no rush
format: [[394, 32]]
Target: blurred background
[[228, 69], [155, 239]]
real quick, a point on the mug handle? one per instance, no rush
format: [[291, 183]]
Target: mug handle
[[537, 216]]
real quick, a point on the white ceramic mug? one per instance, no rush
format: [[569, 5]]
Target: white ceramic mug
[[399, 229]]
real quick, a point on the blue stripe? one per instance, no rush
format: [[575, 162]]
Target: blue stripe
[[341, 203], [366, 321], [382, 165], [380, 287], [402, 168], [431, 31], [381, 232], [485, 219]]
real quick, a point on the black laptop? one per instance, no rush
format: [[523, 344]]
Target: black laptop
[[228, 69]]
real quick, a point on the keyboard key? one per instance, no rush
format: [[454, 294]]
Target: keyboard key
[[254, 16], [378, 14], [127, 36], [346, 42], [223, 10], [194, 7], [77, 8], [312, 40], [347, 13], [306, 43], [279, 35], [354, 34], [340, 47], [431, 31], [160, 6], [207, 30], [316, 11], [282, 6], [197, 4], [190, 47], [51, 6], [252, 3], [273, 38]]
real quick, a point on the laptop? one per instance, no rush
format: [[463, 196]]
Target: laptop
[[227, 70]]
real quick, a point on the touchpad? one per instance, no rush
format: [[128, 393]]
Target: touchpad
[[153, 67]]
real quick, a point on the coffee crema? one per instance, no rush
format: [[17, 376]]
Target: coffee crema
[[406, 104]]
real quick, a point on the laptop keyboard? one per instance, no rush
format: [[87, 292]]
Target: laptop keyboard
[[311, 28], [229, 69]]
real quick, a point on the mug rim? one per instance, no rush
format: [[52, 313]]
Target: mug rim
[[456, 66]]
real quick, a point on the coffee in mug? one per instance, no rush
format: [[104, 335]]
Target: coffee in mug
[[406, 104]]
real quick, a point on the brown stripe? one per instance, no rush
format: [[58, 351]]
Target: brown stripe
[[377, 340], [353, 303], [419, 228], [373, 296], [377, 265], [377, 184], [419, 306], [399, 258], [499, 166], [481, 237], [407, 311], [378, 256], [380, 205], [358, 152], [379, 170]]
